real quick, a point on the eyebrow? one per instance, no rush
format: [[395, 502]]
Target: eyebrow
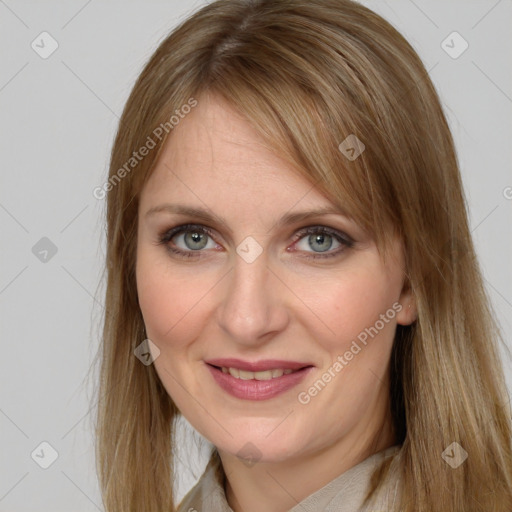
[[208, 216]]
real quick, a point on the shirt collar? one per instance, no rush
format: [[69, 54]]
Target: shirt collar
[[346, 493]]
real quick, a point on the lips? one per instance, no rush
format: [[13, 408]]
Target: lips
[[259, 380]]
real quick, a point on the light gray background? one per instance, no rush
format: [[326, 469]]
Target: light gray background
[[58, 119]]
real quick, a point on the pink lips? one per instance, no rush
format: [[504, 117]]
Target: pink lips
[[257, 389]]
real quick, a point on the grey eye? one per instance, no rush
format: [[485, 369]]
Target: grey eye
[[193, 240], [318, 242]]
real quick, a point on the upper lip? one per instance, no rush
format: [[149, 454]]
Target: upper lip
[[257, 366]]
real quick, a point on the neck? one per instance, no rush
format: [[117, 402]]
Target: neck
[[279, 486]]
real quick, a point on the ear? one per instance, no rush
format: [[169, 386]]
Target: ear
[[408, 314]]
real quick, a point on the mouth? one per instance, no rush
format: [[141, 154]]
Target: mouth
[[257, 381], [262, 375]]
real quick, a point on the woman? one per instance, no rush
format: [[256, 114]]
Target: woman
[[289, 257]]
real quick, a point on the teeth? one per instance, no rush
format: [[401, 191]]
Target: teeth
[[264, 375], [234, 372]]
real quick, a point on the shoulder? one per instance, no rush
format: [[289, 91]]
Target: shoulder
[[208, 492], [348, 492], [388, 493]]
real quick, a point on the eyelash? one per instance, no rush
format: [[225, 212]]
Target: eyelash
[[342, 238]]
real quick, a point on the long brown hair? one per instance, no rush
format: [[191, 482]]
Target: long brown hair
[[307, 74]]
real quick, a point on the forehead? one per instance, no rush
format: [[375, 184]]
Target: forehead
[[214, 158]]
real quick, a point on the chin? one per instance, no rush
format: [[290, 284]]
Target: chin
[[252, 449]]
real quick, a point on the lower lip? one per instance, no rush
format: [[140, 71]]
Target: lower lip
[[257, 389]]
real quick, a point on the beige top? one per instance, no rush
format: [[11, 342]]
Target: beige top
[[345, 493]]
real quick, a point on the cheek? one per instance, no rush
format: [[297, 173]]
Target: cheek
[[345, 307], [170, 301], [356, 344]]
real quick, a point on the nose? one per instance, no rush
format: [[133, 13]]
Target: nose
[[253, 307]]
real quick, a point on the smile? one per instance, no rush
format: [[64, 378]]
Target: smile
[[263, 375], [257, 381]]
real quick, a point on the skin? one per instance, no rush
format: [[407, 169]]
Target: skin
[[281, 306]]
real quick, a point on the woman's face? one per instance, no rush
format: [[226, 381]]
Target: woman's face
[[258, 282]]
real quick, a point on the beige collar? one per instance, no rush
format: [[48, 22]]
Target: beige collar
[[345, 493]]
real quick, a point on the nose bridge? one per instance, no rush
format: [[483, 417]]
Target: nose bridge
[[251, 306]]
